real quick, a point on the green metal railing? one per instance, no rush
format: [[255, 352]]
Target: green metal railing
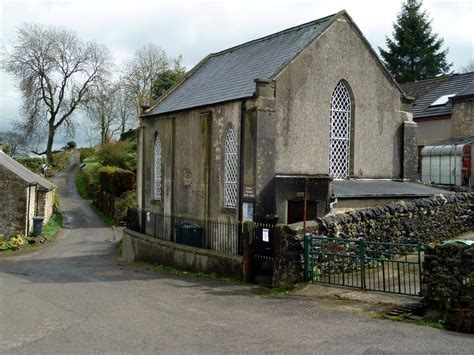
[[375, 266]]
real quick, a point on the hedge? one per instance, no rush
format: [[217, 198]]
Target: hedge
[[116, 180], [86, 153]]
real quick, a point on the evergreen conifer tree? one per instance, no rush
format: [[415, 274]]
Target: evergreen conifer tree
[[415, 52]]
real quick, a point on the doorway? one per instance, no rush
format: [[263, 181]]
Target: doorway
[[295, 211]]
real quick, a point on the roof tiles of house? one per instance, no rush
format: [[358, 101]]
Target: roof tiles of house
[[24, 173], [417, 89], [231, 74], [467, 92], [456, 84]]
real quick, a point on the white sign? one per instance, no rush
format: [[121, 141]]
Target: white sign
[[265, 236], [247, 212]]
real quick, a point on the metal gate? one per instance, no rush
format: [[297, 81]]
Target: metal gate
[[262, 254], [374, 266]]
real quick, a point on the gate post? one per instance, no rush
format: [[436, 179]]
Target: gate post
[[247, 235], [307, 260], [419, 247], [362, 263]]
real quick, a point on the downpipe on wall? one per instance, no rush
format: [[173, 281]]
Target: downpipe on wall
[[331, 205]]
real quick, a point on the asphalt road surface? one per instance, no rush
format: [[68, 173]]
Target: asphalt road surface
[[76, 297]]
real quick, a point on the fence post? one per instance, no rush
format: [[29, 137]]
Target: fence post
[[247, 234], [276, 253], [362, 263], [418, 247], [307, 259]]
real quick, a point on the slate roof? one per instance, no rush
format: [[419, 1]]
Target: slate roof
[[24, 173], [417, 89], [378, 188], [231, 74], [458, 84], [469, 91]]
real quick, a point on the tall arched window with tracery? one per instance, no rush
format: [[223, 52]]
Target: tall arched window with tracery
[[340, 132], [157, 180], [230, 168]]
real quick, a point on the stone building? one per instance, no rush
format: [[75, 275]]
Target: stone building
[[253, 129], [23, 195], [443, 107], [444, 111]]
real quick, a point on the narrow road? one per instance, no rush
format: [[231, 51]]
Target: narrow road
[[76, 297]]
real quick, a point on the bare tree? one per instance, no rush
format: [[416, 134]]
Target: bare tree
[[468, 68], [126, 108], [56, 73], [143, 71], [104, 111], [89, 132], [15, 141]]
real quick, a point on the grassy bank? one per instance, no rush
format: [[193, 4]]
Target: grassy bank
[[81, 186], [20, 244]]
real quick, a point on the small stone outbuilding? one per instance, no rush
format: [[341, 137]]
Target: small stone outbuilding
[[23, 195]]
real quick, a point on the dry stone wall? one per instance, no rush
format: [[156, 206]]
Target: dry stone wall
[[448, 277], [45, 204], [13, 197], [424, 221]]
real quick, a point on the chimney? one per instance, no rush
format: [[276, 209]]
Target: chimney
[[1, 146]]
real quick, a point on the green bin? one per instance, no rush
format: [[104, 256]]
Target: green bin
[[189, 234]]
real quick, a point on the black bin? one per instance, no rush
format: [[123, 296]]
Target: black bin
[[38, 226], [189, 234]]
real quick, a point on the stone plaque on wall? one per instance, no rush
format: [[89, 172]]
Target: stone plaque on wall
[[187, 177], [249, 192]]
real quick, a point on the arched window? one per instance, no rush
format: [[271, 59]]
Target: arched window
[[157, 187], [340, 132], [230, 168]]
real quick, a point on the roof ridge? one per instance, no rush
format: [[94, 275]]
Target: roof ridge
[[445, 76], [275, 34], [22, 170]]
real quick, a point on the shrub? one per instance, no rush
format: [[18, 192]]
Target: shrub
[[128, 199], [5, 245], [131, 134], [71, 145], [7, 149], [118, 154], [86, 153], [18, 241], [34, 164], [116, 180], [461, 321], [60, 161]]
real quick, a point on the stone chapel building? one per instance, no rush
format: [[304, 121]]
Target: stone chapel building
[[251, 129]]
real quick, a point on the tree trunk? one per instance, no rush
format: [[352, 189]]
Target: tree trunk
[[49, 146]]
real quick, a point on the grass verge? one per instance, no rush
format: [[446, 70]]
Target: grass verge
[[52, 228], [81, 186], [50, 231], [183, 273], [109, 221], [425, 321]]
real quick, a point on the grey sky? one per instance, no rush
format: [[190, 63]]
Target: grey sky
[[196, 28]]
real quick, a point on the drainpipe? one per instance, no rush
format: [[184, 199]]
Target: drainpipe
[[331, 205], [305, 203], [241, 158], [143, 168], [28, 208]]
